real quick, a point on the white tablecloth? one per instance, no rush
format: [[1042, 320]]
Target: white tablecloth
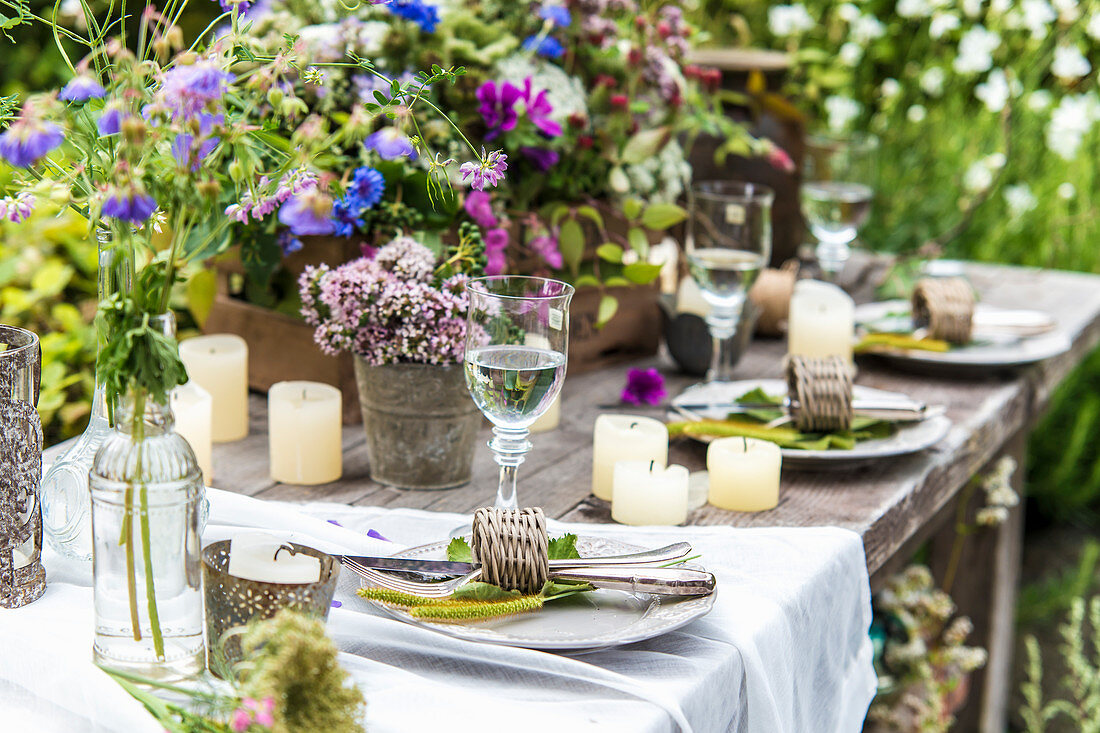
[[784, 649]]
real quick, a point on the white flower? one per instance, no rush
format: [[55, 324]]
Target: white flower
[[1070, 121], [972, 8], [890, 88], [994, 91], [1037, 17], [841, 111], [867, 28], [1068, 11], [916, 113], [995, 161], [1039, 100], [931, 81], [1069, 63], [845, 11], [999, 7], [789, 20], [1093, 27], [850, 54], [1067, 191], [914, 8], [1019, 200], [976, 49], [979, 176], [941, 24]]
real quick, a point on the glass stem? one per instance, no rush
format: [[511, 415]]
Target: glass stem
[[723, 327], [510, 448], [831, 257]]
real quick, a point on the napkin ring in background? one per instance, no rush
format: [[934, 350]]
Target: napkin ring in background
[[512, 547], [232, 602], [820, 393], [945, 306], [771, 294]]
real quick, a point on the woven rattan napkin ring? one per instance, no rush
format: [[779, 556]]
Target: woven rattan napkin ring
[[944, 306], [512, 547], [820, 393]]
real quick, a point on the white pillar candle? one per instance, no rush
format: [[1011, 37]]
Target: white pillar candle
[[256, 556], [821, 321], [744, 474], [689, 298], [624, 438], [219, 364], [550, 419], [645, 493], [305, 433], [193, 409]]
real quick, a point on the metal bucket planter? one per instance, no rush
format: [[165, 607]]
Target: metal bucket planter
[[421, 424]]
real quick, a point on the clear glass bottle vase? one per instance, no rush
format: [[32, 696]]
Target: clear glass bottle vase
[[147, 498]]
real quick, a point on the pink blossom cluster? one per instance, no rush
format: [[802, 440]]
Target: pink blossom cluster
[[253, 711], [388, 310], [266, 201], [17, 208]]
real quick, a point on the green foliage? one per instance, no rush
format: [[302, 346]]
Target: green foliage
[[1081, 655], [1043, 600]]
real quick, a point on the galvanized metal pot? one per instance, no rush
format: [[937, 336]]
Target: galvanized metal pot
[[421, 424]]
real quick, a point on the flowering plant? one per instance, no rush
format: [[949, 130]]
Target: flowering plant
[[398, 307]]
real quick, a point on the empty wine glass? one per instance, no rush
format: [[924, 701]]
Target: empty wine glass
[[729, 240], [836, 194], [517, 339]]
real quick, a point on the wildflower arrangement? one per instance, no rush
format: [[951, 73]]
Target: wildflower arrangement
[[988, 115], [399, 306], [587, 102]]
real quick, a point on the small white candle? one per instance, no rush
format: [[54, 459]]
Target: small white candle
[[821, 321], [744, 474], [257, 556], [645, 493], [550, 419], [624, 438], [193, 409], [219, 364], [305, 433], [689, 298]]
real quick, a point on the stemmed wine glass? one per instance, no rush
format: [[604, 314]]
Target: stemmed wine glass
[[517, 338], [729, 240], [836, 194]]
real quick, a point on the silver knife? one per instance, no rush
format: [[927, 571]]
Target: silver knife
[[895, 410]]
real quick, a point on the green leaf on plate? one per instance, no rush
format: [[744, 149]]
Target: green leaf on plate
[[563, 548], [459, 551]]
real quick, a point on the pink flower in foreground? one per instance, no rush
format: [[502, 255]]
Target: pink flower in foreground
[[487, 172], [240, 720]]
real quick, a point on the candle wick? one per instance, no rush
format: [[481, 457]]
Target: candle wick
[[745, 443], [633, 425], [282, 547], [651, 466]]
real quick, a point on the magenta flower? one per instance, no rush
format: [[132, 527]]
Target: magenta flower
[[28, 140], [498, 107], [132, 205], [240, 720], [390, 144], [546, 247], [542, 158], [487, 172], [479, 206], [82, 88], [17, 208], [496, 241], [644, 386], [309, 212], [539, 109]]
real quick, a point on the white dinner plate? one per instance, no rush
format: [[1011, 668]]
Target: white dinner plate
[[984, 354], [907, 438], [584, 622]]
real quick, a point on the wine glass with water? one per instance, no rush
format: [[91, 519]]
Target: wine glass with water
[[836, 195], [517, 338], [729, 241]]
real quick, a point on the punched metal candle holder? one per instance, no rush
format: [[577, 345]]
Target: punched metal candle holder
[[232, 602], [22, 577]]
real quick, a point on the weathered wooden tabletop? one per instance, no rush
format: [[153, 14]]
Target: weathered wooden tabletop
[[886, 502]]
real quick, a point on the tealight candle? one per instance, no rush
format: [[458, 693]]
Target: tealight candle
[[305, 433], [257, 556], [689, 298], [821, 320], [219, 364], [744, 474], [193, 409], [550, 419], [624, 438], [645, 493]]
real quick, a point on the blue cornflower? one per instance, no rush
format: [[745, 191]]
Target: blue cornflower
[[548, 47], [556, 14], [390, 144], [28, 140], [345, 215], [82, 88], [288, 243], [424, 15], [132, 205], [368, 185]]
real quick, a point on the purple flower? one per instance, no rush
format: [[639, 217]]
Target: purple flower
[[110, 122], [644, 386], [132, 205], [187, 90], [487, 172], [337, 604], [309, 212], [547, 47], [345, 215], [498, 107], [479, 207], [376, 535], [556, 14], [184, 148], [241, 5], [289, 244], [424, 15], [546, 246], [496, 241], [368, 186], [17, 208], [390, 144], [29, 140], [543, 158], [82, 88], [539, 109]]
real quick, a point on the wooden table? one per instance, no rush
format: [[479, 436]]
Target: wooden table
[[895, 505]]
